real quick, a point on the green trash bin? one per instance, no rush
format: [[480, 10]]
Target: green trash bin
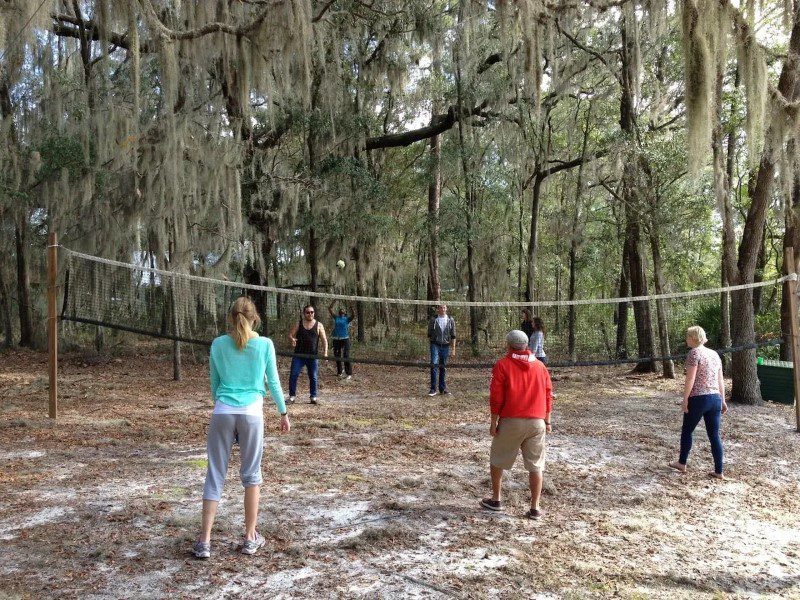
[[777, 380]]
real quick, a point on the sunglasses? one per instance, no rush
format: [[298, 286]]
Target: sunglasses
[[309, 312]]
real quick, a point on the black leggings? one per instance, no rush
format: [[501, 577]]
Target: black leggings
[[341, 349]]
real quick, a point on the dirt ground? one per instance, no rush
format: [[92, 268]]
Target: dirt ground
[[374, 493]]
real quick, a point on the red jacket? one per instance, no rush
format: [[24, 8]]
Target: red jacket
[[520, 387]]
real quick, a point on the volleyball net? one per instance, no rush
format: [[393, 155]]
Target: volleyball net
[[145, 300]]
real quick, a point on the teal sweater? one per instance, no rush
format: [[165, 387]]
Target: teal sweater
[[237, 376]]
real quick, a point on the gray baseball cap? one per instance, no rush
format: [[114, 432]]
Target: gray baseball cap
[[517, 339]]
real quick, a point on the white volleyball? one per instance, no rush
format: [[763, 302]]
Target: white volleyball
[[340, 264]]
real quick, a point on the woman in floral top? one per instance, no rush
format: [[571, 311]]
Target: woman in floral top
[[703, 398]]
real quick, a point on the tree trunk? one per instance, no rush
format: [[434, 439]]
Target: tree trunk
[[575, 235], [557, 308], [311, 145], [471, 279], [173, 305], [23, 283], [667, 365], [434, 197], [745, 379], [641, 309], [573, 253], [5, 312], [470, 191], [176, 345], [759, 274], [621, 345], [746, 387], [791, 238], [723, 178], [278, 300], [521, 245], [360, 291], [534, 238], [631, 199]]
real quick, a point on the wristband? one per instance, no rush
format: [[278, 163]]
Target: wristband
[[283, 414]]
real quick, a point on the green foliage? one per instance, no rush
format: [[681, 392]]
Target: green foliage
[[709, 317], [62, 153]]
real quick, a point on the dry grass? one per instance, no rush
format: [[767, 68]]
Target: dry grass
[[374, 493]]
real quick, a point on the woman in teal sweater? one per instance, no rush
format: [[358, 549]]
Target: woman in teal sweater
[[240, 362]]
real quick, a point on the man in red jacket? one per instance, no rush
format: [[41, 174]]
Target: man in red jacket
[[520, 399]]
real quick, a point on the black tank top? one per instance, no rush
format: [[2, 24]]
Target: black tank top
[[307, 339]]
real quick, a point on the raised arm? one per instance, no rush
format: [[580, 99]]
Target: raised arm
[[330, 309]]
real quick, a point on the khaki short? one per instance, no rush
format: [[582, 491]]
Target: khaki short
[[514, 435]]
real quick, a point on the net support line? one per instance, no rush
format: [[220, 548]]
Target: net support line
[[421, 364], [407, 301]]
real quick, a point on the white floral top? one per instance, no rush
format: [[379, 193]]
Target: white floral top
[[708, 366]]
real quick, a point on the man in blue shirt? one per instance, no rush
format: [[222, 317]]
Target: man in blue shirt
[[341, 341]]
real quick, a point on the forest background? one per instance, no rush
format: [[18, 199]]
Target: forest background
[[527, 150]]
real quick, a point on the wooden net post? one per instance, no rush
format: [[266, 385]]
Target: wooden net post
[[52, 322], [795, 331]]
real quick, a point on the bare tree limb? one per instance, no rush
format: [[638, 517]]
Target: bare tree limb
[[439, 124], [216, 27]]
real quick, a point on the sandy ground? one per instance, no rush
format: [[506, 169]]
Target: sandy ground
[[374, 494]]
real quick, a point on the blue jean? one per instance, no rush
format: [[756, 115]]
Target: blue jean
[[439, 356], [709, 408], [311, 365]]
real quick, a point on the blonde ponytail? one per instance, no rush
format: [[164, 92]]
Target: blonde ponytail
[[242, 314]]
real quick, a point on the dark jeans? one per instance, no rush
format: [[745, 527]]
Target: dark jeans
[[341, 349], [294, 373], [709, 408], [439, 356]]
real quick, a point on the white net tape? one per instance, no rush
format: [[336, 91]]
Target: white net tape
[[410, 301]]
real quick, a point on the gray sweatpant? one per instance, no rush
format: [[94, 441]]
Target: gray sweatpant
[[221, 433]]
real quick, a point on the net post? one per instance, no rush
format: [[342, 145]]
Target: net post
[[52, 322], [795, 329]]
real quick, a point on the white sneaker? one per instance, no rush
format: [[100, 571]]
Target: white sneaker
[[201, 549], [252, 546], [314, 400], [349, 377], [290, 400]]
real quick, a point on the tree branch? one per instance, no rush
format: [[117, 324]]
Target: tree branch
[[542, 174], [63, 30], [439, 124], [322, 11], [216, 27]]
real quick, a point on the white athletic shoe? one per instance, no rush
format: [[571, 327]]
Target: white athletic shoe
[[349, 377], [290, 400], [201, 549], [314, 400], [252, 546]]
